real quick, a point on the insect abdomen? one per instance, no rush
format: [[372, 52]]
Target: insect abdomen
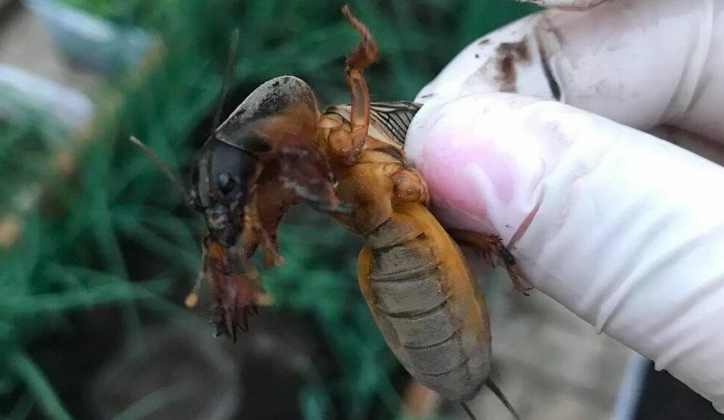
[[426, 302]]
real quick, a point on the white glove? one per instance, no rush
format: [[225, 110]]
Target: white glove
[[624, 229]]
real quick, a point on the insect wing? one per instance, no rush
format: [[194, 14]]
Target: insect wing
[[394, 118]]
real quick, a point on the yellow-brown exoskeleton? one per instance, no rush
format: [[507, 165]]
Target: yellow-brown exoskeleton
[[349, 161]]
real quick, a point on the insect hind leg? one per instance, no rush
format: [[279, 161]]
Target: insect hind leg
[[365, 54], [490, 247], [357, 60]]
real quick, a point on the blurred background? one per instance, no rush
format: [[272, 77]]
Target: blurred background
[[97, 249]]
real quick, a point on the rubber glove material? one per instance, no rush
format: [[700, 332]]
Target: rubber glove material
[[624, 229]]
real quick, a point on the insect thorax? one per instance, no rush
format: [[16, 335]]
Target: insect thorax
[[389, 121]]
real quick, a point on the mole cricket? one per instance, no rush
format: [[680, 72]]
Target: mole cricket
[[276, 150]]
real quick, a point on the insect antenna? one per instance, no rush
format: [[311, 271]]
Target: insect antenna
[[468, 410], [163, 166], [217, 117], [498, 393], [228, 73]]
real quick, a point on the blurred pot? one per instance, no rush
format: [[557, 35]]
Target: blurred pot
[[648, 394], [69, 107], [170, 373], [89, 41]]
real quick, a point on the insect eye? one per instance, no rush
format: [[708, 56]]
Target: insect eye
[[226, 183]]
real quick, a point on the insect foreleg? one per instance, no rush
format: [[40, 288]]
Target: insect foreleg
[[267, 239], [491, 247]]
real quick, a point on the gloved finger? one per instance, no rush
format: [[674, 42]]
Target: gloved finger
[[565, 4], [642, 63], [624, 229]]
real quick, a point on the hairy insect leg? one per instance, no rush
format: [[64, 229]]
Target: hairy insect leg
[[237, 297], [235, 288], [357, 60], [490, 246], [298, 173], [260, 234]]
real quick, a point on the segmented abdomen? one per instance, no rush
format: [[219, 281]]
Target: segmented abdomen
[[426, 303]]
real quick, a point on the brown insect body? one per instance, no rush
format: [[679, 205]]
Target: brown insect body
[[426, 303], [350, 163], [413, 276], [275, 150]]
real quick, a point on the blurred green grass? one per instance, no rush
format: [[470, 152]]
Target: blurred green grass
[[73, 254]]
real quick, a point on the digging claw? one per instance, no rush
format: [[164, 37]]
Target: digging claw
[[230, 328], [228, 321], [236, 300], [244, 324]]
